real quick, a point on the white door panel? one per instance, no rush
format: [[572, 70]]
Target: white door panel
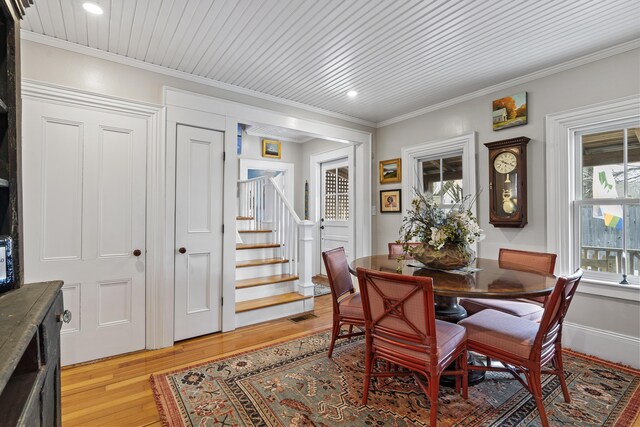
[[199, 185], [336, 220], [84, 191]]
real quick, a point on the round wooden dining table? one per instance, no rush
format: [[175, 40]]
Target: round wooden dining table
[[486, 278]]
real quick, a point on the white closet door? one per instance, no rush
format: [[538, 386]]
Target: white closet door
[[198, 260], [84, 190]]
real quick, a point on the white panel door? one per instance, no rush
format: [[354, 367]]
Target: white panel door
[[84, 189], [336, 221], [198, 260]]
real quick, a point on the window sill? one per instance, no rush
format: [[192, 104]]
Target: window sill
[[609, 289]]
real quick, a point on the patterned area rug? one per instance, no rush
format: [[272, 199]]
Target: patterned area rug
[[295, 384]]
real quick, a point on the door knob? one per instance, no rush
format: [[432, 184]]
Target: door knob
[[322, 227], [64, 317], [137, 252], [182, 250]]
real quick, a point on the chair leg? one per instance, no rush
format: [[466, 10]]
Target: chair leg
[[334, 334], [434, 389], [535, 385], [465, 375], [557, 362], [350, 329], [368, 366]]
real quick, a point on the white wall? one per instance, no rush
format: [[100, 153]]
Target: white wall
[[607, 79]]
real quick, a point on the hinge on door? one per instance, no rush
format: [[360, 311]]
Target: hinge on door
[[222, 228], [222, 301], [224, 156]]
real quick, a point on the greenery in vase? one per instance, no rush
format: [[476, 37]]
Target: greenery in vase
[[434, 226]]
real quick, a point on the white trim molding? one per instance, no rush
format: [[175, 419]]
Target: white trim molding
[[465, 144], [156, 324], [560, 166], [607, 345]]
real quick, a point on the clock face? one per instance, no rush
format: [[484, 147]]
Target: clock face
[[505, 162]]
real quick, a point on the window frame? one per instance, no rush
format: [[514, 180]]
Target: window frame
[[562, 163]]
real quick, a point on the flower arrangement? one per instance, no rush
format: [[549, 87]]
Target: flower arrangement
[[452, 230]]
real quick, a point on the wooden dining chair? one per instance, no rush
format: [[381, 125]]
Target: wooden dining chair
[[523, 346], [529, 308], [347, 306], [401, 330], [398, 248]]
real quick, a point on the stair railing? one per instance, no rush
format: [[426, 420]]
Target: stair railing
[[286, 224]]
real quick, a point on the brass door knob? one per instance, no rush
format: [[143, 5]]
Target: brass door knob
[[137, 252], [182, 250]]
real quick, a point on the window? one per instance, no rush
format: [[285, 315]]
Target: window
[[606, 208], [593, 195], [445, 168]]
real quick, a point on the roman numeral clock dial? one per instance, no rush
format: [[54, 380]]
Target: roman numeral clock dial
[[508, 182]]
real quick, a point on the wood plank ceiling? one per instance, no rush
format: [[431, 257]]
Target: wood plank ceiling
[[399, 55]]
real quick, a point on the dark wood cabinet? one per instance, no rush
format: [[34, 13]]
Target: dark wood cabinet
[[11, 11], [30, 321]]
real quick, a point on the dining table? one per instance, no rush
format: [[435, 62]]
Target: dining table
[[483, 278]]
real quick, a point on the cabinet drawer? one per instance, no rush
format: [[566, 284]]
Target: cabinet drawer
[[50, 332]]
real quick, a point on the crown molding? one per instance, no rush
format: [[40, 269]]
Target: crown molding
[[596, 56], [108, 56]]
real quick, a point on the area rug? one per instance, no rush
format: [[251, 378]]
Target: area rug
[[295, 384]]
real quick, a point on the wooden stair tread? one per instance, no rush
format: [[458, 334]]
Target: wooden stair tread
[[242, 246], [258, 262], [255, 231], [244, 218], [269, 301], [266, 280]]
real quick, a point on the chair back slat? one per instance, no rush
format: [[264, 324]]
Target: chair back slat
[[335, 262], [399, 309], [550, 332], [526, 260]]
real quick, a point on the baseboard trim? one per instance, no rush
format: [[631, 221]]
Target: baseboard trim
[[607, 345]]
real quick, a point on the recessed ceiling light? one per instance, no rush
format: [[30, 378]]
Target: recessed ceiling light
[[92, 8], [352, 94]]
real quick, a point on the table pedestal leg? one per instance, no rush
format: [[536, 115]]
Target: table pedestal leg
[[447, 309]]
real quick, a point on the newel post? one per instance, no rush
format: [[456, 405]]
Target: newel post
[[305, 263]]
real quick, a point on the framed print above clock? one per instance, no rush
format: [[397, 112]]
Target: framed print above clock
[[508, 182]]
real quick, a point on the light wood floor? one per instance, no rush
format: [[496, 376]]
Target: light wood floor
[[116, 391]]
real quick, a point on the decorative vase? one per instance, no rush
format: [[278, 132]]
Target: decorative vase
[[450, 257]]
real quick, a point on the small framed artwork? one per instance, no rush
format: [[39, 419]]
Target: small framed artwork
[[390, 171], [271, 148], [390, 200], [510, 111]]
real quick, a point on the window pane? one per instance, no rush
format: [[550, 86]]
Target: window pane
[[431, 176], [602, 165], [601, 238], [343, 208], [330, 208], [330, 181], [633, 158], [343, 180], [632, 224], [452, 180]]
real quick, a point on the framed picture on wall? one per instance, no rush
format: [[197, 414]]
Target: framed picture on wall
[[271, 148], [390, 171], [390, 200], [510, 111]]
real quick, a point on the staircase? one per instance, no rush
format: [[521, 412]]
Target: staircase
[[267, 255]]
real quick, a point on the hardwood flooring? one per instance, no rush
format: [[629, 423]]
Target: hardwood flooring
[[116, 391]]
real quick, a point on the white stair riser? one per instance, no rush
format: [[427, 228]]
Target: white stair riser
[[261, 271], [269, 313], [245, 224], [262, 253], [256, 237], [264, 291]]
